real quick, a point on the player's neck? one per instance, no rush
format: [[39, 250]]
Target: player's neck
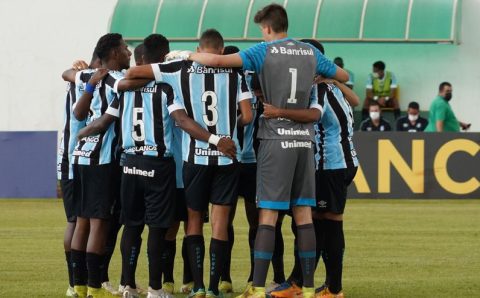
[[276, 36], [111, 65]]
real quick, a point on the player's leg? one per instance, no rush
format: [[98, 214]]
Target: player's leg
[[277, 257], [159, 196], [338, 181], [225, 285], [197, 181], [168, 257], [68, 204]]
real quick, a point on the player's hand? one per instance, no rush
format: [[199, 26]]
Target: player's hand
[[227, 146], [98, 76], [328, 81], [270, 111], [81, 134], [465, 126], [79, 65], [177, 55]]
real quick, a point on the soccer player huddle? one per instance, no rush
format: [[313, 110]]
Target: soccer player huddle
[[155, 144]]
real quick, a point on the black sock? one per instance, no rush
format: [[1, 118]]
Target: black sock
[[68, 258], [228, 257], [155, 248], [168, 260], [252, 233], [307, 252], [334, 247], [110, 248], [94, 267], [130, 248], [296, 275], [187, 272], [277, 257], [264, 246], [79, 267], [196, 255], [218, 254], [320, 238]]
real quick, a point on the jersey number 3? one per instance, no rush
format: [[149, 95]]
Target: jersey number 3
[[138, 131], [212, 119]]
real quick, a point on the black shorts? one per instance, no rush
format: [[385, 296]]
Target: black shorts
[[95, 189], [148, 191], [247, 183], [331, 190], [68, 202], [181, 213], [215, 184]]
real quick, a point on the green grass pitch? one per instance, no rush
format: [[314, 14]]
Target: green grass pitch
[[395, 248]]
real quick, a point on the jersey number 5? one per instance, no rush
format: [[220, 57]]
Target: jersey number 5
[[212, 107], [138, 131]]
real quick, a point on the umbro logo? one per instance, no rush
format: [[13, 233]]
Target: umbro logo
[[274, 50]]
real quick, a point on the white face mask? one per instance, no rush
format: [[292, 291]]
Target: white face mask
[[375, 75], [374, 115], [412, 117]]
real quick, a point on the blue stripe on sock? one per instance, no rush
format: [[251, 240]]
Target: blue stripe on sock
[[304, 202], [264, 255], [307, 254]]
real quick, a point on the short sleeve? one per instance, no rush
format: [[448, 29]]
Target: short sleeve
[[254, 57], [324, 67], [243, 88], [394, 83], [441, 112], [316, 99], [114, 107], [165, 72]]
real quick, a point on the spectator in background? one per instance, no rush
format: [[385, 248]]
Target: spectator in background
[[381, 88], [375, 122], [413, 122], [351, 81], [441, 116]]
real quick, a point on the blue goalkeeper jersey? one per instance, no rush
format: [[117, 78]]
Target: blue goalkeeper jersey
[[101, 148], [210, 96], [334, 131], [145, 125], [71, 125]]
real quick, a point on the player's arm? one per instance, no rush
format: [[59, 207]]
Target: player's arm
[[246, 115], [341, 75], [99, 125], [439, 125], [140, 72], [232, 60], [225, 145], [298, 115], [131, 84], [348, 93], [69, 74], [83, 104]]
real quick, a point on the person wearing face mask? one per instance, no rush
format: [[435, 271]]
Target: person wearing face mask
[[375, 122], [381, 88], [441, 116], [412, 122]]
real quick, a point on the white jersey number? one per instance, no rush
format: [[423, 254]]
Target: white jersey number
[[293, 90], [138, 132], [212, 107]]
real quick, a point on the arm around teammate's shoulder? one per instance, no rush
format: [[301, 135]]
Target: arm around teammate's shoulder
[[232, 60], [298, 115], [341, 75], [140, 72]]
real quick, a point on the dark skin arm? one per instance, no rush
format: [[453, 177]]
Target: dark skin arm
[[140, 72], [99, 125], [83, 104], [225, 145], [297, 115], [69, 74], [132, 84], [246, 115]]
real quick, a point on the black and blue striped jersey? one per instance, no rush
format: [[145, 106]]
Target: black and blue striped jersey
[[101, 148], [145, 124], [210, 96], [334, 131], [71, 125]]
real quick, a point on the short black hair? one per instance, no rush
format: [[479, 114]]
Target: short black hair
[[314, 43], [442, 85], [273, 15], [379, 65], [414, 105], [156, 47], [138, 52], [230, 50], [107, 43], [338, 61], [211, 38], [373, 103]]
